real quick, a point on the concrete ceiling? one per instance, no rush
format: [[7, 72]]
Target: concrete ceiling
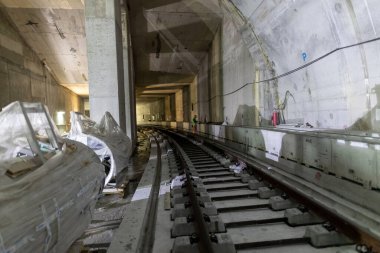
[[173, 37], [170, 38], [158, 91], [55, 30]]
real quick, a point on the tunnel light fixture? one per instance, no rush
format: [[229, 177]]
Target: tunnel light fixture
[[160, 91], [60, 118], [166, 85], [359, 144], [341, 141]]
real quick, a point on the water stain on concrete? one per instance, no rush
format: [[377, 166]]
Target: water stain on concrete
[[245, 116]]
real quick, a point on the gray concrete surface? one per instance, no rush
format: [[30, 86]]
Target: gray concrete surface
[[105, 58], [24, 77], [127, 236]]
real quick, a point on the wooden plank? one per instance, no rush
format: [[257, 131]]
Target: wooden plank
[[22, 167]]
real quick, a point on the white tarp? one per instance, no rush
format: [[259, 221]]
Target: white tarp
[[45, 202], [106, 139], [17, 136]]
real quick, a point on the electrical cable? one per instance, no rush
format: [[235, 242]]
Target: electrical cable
[[282, 106], [294, 70]]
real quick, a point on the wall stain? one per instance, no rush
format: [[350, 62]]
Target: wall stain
[[368, 122], [338, 7], [245, 115], [361, 48], [306, 78]]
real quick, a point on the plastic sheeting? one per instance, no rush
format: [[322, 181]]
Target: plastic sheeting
[[178, 181], [238, 167], [106, 139], [24, 124], [48, 206]]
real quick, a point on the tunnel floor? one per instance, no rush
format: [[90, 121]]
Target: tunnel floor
[[110, 208]]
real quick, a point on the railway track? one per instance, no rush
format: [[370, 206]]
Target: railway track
[[218, 209]]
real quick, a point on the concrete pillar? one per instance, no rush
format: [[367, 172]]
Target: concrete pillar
[[216, 80], [194, 99], [179, 106], [129, 87], [105, 59], [173, 112], [167, 108], [203, 92], [186, 104]]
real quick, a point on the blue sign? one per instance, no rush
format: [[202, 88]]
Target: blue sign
[[304, 56]]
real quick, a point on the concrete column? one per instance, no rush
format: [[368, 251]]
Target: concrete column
[[186, 104], [167, 109], [216, 78], [105, 59], [203, 91], [173, 112], [129, 88], [179, 106], [194, 99]]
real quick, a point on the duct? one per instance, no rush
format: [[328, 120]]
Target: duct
[[48, 187], [107, 139]]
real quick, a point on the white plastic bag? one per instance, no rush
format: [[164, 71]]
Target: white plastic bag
[[106, 138]]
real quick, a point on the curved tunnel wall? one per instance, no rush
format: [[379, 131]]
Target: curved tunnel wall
[[338, 91]]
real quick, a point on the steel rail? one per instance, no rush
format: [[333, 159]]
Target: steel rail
[[346, 226], [205, 244], [356, 232], [146, 239]]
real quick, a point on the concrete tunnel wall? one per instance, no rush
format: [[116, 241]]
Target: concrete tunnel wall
[[262, 39], [23, 77], [257, 40], [339, 91], [151, 111]]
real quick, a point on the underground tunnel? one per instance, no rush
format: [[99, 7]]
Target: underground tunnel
[[189, 126]]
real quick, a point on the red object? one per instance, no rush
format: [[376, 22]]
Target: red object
[[274, 118]]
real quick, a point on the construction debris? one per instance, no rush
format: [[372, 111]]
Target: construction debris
[[107, 139], [48, 187]]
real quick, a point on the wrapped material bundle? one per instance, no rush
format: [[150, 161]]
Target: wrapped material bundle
[[107, 139], [48, 188]]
